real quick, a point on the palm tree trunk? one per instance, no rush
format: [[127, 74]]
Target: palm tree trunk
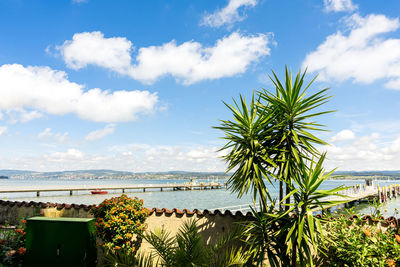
[[288, 199], [280, 194]]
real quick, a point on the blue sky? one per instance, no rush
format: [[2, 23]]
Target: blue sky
[[138, 85]]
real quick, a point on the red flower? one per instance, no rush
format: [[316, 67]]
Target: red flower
[[23, 221], [2, 242], [21, 251]]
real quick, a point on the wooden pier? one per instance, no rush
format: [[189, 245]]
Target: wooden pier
[[363, 194], [161, 187]]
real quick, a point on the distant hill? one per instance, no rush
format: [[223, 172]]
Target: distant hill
[[109, 174], [366, 174]]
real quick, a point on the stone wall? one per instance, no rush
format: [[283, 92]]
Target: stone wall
[[212, 224]]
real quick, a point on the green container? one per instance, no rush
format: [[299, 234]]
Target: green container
[[60, 242]]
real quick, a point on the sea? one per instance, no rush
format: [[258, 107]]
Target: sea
[[222, 199]]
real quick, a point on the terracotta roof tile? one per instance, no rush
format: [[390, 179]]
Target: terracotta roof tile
[[390, 220]]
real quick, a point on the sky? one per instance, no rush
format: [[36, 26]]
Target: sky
[[138, 85]]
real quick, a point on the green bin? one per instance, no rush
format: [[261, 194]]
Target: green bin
[[60, 242]]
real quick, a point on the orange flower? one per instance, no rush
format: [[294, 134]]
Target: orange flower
[[24, 221], [391, 263], [117, 247], [397, 238], [11, 253], [21, 251], [368, 232]]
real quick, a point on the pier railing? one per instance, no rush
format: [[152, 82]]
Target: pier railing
[[353, 195]]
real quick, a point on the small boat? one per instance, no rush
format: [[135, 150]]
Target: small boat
[[99, 192]]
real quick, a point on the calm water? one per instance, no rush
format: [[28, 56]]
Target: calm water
[[206, 199]]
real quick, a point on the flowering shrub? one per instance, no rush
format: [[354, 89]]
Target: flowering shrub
[[355, 243], [117, 221], [12, 246]]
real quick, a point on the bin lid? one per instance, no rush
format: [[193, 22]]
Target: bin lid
[[60, 219]]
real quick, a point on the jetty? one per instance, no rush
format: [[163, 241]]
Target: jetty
[[360, 193], [153, 187]]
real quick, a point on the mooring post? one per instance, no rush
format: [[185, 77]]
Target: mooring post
[[161, 189], [70, 192], [144, 189], [123, 190], [38, 193]]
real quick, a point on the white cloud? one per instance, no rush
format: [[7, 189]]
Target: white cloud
[[188, 62], [363, 54], [70, 154], [79, 1], [48, 135], [368, 152], [227, 15], [92, 48], [98, 134], [127, 157], [343, 136], [339, 5], [21, 115], [3, 129], [45, 90]]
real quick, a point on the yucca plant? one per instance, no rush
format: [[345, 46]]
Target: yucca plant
[[292, 110], [304, 230], [188, 249], [267, 137], [248, 135]]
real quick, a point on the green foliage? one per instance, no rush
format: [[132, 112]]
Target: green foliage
[[356, 243], [261, 235], [188, 249], [117, 221], [12, 245], [304, 230], [268, 137], [291, 110], [122, 258]]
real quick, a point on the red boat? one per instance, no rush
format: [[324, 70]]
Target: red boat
[[99, 192]]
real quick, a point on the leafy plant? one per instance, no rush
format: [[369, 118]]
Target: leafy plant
[[187, 248], [292, 112], [12, 245], [357, 243], [117, 221], [304, 230], [268, 137]]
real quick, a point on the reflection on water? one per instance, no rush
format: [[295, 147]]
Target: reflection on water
[[196, 199]]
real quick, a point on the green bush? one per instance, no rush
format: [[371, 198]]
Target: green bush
[[357, 243], [118, 220], [12, 245]]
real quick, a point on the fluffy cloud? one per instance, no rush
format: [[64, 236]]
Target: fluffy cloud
[[369, 152], [129, 157], [188, 62], [343, 136], [48, 135], [98, 134], [339, 5], [45, 90], [70, 155], [84, 49], [363, 54], [227, 15], [3, 129], [79, 1], [21, 115]]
